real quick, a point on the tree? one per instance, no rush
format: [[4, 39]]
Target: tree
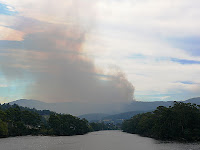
[[3, 129], [180, 122]]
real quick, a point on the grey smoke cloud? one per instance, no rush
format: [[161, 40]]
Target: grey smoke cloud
[[60, 69]]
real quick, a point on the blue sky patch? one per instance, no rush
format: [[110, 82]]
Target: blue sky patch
[[185, 61], [189, 44], [7, 10], [186, 82]]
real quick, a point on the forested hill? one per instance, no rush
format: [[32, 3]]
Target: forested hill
[[78, 108], [95, 117], [40, 112], [193, 100], [18, 121], [179, 122], [119, 118]]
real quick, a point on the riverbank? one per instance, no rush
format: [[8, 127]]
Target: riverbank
[[177, 123]]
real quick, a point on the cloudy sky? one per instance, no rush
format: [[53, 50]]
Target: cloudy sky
[[99, 50]]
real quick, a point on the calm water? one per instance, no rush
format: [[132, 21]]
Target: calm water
[[103, 140]]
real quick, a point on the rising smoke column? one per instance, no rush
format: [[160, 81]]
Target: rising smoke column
[[52, 55]]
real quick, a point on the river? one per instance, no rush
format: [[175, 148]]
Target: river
[[102, 140]]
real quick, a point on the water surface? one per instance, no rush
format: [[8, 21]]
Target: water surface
[[103, 140]]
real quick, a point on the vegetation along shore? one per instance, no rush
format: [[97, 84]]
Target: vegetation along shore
[[181, 122]]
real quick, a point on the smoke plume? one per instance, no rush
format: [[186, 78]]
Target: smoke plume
[[52, 56]]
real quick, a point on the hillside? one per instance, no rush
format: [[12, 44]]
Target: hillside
[[119, 118], [194, 100], [93, 117], [40, 112], [179, 122], [80, 108], [74, 108], [20, 121]]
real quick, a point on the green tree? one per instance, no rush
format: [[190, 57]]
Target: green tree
[[180, 122], [3, 129]]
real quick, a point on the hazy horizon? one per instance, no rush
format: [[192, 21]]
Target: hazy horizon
[[100, 102]]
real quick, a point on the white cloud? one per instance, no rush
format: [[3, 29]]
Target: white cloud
[[171, 18], [128, 28], [10, 8], [51, 11]]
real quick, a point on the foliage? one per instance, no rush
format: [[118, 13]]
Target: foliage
[[3, 129], [180, 122], [67, 125], [40, 112], [17, 121], [102, 126]]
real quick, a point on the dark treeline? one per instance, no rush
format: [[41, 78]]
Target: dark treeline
[[40, 112], [103, 126], [19, 121], [180, 122]]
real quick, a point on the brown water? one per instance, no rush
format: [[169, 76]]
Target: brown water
[[103, 140]]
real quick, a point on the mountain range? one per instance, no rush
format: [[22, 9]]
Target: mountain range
[[96, 111]]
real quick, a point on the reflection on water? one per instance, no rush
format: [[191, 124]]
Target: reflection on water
[[103, 140]]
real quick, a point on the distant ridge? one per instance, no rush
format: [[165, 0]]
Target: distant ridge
[[119, 118], [74, 108], [194, 100], [94, 116], [80, 108], [30, 102]]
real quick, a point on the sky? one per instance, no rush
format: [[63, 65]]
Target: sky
[[99, 50]]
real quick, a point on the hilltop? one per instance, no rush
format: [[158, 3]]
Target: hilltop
[[95, 109]]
